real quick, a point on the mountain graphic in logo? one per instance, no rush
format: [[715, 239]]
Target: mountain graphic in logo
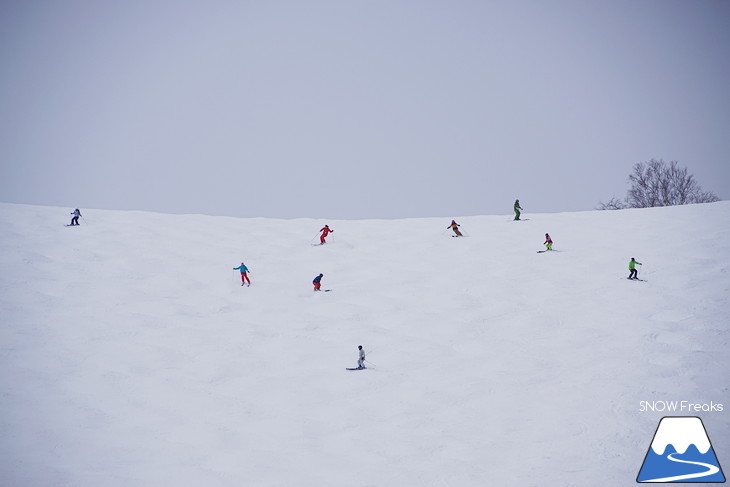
[[681, 452]]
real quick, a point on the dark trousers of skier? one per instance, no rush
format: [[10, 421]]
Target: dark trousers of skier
[[75, 220], [633, 274]]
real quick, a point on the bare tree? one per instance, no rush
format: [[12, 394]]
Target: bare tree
[[612, 204], [656, 183]]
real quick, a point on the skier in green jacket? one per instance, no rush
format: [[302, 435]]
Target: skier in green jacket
[[633, 273], [517, 209]]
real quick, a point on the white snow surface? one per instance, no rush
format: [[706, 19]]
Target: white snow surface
[[130, 355]]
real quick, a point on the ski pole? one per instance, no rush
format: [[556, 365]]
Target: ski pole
[[82, 217], [368, 361]]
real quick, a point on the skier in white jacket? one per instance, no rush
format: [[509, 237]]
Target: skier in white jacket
[[361, 357]]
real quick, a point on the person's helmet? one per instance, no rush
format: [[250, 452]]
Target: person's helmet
[[359, 347]]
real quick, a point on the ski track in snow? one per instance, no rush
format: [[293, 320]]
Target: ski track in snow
[[130, 354]]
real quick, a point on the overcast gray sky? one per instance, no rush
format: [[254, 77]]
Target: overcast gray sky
[[354, 108]]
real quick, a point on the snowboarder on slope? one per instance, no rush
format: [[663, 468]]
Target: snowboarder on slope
[[633, 273], [244, 276], [360, 357], [318, 282], [325, 231], [455, 227], [75, 220], [517, 209], [548, 242]]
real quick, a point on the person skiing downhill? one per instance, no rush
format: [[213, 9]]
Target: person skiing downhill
[[244, 274], [75, 219], [318, 282], [455, 227], [548, 242], [360, 357], [633, 273], [517, 209], [326, 230]]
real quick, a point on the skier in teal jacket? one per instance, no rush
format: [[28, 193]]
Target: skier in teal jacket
[[244, 274]]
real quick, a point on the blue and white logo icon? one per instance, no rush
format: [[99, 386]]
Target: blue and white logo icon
[[681, 452]]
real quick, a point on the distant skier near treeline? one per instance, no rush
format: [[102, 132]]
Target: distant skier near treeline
[[455, 227], [317, 282], [326, 230], [548, 242], [244, 273], [517, 209], [633, 273], [75, 219]]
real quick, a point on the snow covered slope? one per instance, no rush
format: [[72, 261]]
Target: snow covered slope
[[130, 355]]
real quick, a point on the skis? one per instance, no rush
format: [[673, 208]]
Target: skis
[[355, 368], [635, 279]]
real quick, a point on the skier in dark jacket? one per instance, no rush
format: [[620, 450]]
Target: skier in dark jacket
[[318, 282], [517, 209]]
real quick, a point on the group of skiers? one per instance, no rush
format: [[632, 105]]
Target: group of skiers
[[326, 230], [316, 282], [633, 272]]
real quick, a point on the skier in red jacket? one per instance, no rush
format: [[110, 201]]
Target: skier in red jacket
[[325, 231]]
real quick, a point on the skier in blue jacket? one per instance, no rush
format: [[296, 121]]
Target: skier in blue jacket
[[244, 274]]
